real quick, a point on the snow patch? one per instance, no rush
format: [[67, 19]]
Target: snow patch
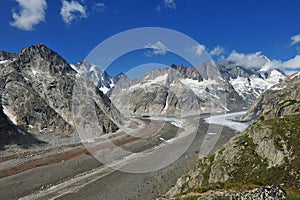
[[211, 133], [199, 87], [3, 61], [8, 113], [34, 71], [104, 89], [162, 139], [157, 80], [296, 75], [276, 88]]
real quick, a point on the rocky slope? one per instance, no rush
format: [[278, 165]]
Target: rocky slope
[[11, 134], [265, 153], [282, 99], [41, 93], [100, 78], [209, 88], [179, 90], [250, 83]]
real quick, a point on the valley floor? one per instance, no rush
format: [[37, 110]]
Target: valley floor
[[71, 172]]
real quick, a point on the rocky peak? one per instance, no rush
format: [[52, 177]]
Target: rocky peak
[[53, 62], [40, 90], [185, 72], [6, 56]]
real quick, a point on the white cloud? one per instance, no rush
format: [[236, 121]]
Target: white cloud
[[258, 60], [252, 60], [168, 4], [295, 39], [158, 48], [198, 50], [218, 50], [31, 13], [71, 11], [293, 63]]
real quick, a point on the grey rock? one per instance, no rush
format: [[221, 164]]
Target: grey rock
[[280, 100], [46, 95]]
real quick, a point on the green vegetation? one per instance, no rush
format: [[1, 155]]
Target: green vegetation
[[248, 169]]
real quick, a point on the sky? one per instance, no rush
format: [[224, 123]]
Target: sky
[[234, 30]]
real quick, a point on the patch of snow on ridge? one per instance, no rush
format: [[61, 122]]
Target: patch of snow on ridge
[[247, 86], [12, 118], [3, 61], [158, 80], [296, 75], [275, 77], [196, 86], [276, 88], [104, 89]]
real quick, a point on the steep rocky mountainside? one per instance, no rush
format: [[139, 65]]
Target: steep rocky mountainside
[[100, 78], [208, 88], [41, 93], [11, 134], [5, 56], [266, 153], [282, 99], [179, 90], [250, 83]]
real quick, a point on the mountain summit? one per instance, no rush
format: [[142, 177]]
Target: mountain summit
[[38, 88]]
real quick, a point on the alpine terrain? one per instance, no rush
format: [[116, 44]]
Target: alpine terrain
[[266, 153]]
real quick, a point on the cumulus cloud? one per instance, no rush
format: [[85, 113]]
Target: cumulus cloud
[[218, 50], [198, 50], [158, 48], [30, 13], [252, 60], [169, 4], [293, 63], [258, 60], [71, 11], [295, 39]]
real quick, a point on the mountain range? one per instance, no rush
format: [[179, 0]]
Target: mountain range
[[209, 88], [44, 95]]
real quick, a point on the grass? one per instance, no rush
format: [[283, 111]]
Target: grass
[[250, 170]]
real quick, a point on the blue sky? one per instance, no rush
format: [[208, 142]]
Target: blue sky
[[239, 29]]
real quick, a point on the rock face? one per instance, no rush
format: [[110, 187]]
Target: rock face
[[179, 90], [44, 94], [100, 78], [4, 56], [11, 134], [265, 153], [280, 100], [209, 88], [267, 192], [250, 83]]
